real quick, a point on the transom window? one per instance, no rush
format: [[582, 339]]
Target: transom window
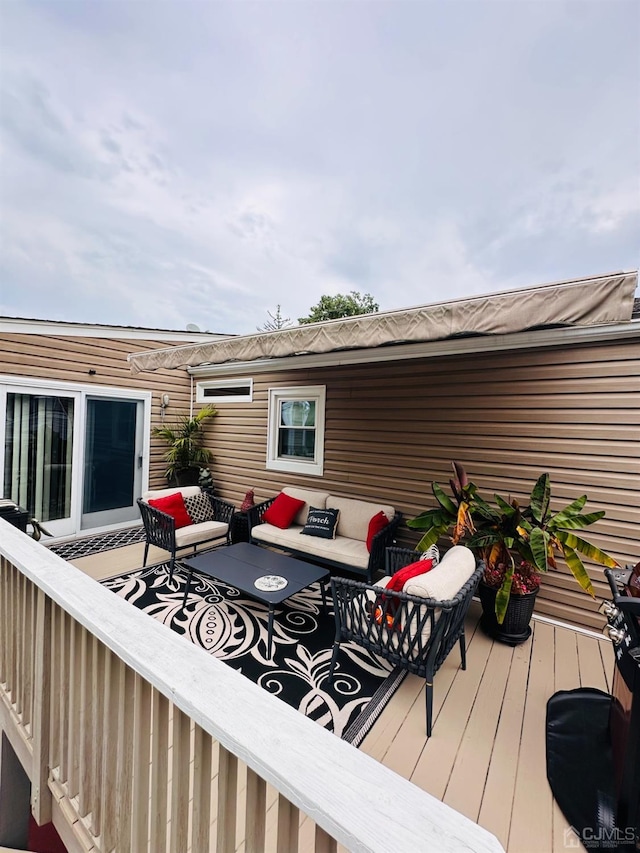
[[295, 440], [225, 391]]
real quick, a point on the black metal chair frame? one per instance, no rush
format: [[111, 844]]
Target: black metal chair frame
[[160, 528], [391, 624], [379, 544]]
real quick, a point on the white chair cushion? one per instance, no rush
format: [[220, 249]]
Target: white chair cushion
[[446, 579], [195, 533], [186, 491]]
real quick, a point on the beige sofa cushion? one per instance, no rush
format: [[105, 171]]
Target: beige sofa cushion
[[355, 516], [311, 497]]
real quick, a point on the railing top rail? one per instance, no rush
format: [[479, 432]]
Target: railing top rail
[[350, 795]]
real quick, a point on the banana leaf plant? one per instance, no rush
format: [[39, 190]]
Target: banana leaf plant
[[185, 442], [518, 543], [451, 514]]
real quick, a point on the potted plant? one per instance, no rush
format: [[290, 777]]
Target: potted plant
[[186, 455], [517, 543]]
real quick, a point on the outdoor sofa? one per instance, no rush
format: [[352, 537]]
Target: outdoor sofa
[[363, 531]]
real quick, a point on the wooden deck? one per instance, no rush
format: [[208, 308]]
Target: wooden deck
[[486, 757]]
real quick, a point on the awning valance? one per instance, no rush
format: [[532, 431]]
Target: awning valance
[[584, 302]]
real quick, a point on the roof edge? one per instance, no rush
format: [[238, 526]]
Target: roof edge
[[28, 326]]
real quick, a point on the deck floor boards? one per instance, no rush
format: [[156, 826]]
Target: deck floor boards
[[497, 802], [486, 757], [532, 801], [468, 778], [437, 759]]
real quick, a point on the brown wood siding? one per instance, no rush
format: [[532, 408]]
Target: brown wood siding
[[69, 359], [393, 428]]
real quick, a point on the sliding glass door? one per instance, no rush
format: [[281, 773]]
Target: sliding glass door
[[112, 461], [39, 446], [73, 459]]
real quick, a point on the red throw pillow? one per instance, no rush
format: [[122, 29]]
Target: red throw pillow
[[377, 523], [397, 582], [173, 505], [282, 511], [385, 608]]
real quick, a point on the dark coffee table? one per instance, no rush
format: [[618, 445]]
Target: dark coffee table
[[243, 564]]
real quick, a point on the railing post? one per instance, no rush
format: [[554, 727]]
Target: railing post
[[41, 717], [227, 796], [288, 825]]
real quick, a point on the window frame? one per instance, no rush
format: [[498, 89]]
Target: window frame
[[312, 393]]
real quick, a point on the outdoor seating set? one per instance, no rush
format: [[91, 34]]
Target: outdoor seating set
[[412, 617]]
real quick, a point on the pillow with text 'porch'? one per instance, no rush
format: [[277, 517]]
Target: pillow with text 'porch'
[[282, 511], [378, 522], [174, 506], [322, 523], [199, 508]]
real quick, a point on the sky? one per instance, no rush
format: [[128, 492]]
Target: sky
[[165, 163]]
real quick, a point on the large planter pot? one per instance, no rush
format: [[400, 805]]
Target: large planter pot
[[515, 629], [188, 476]]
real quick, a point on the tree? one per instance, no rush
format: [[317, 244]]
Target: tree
[[276, 322], [341, 305]]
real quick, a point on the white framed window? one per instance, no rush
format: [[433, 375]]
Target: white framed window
[[295, 437], [224, 391]]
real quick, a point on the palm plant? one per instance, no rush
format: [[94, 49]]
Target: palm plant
[[503, 532], [185, 442]]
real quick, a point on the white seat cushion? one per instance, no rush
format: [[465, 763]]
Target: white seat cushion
[[350, 552], [195, 533]]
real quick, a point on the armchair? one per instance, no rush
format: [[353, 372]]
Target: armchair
[[160, 528], [414, 629]]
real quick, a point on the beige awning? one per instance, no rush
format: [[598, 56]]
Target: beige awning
[[584, 302]]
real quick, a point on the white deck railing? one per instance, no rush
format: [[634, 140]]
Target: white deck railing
[[136, 740]]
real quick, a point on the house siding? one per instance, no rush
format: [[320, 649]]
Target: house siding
[[392, 428], [69, 359]]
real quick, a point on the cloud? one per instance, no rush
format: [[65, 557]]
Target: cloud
[[191, 162]]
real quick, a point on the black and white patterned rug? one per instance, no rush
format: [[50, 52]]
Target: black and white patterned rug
[[76, 548], [233, 628]]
